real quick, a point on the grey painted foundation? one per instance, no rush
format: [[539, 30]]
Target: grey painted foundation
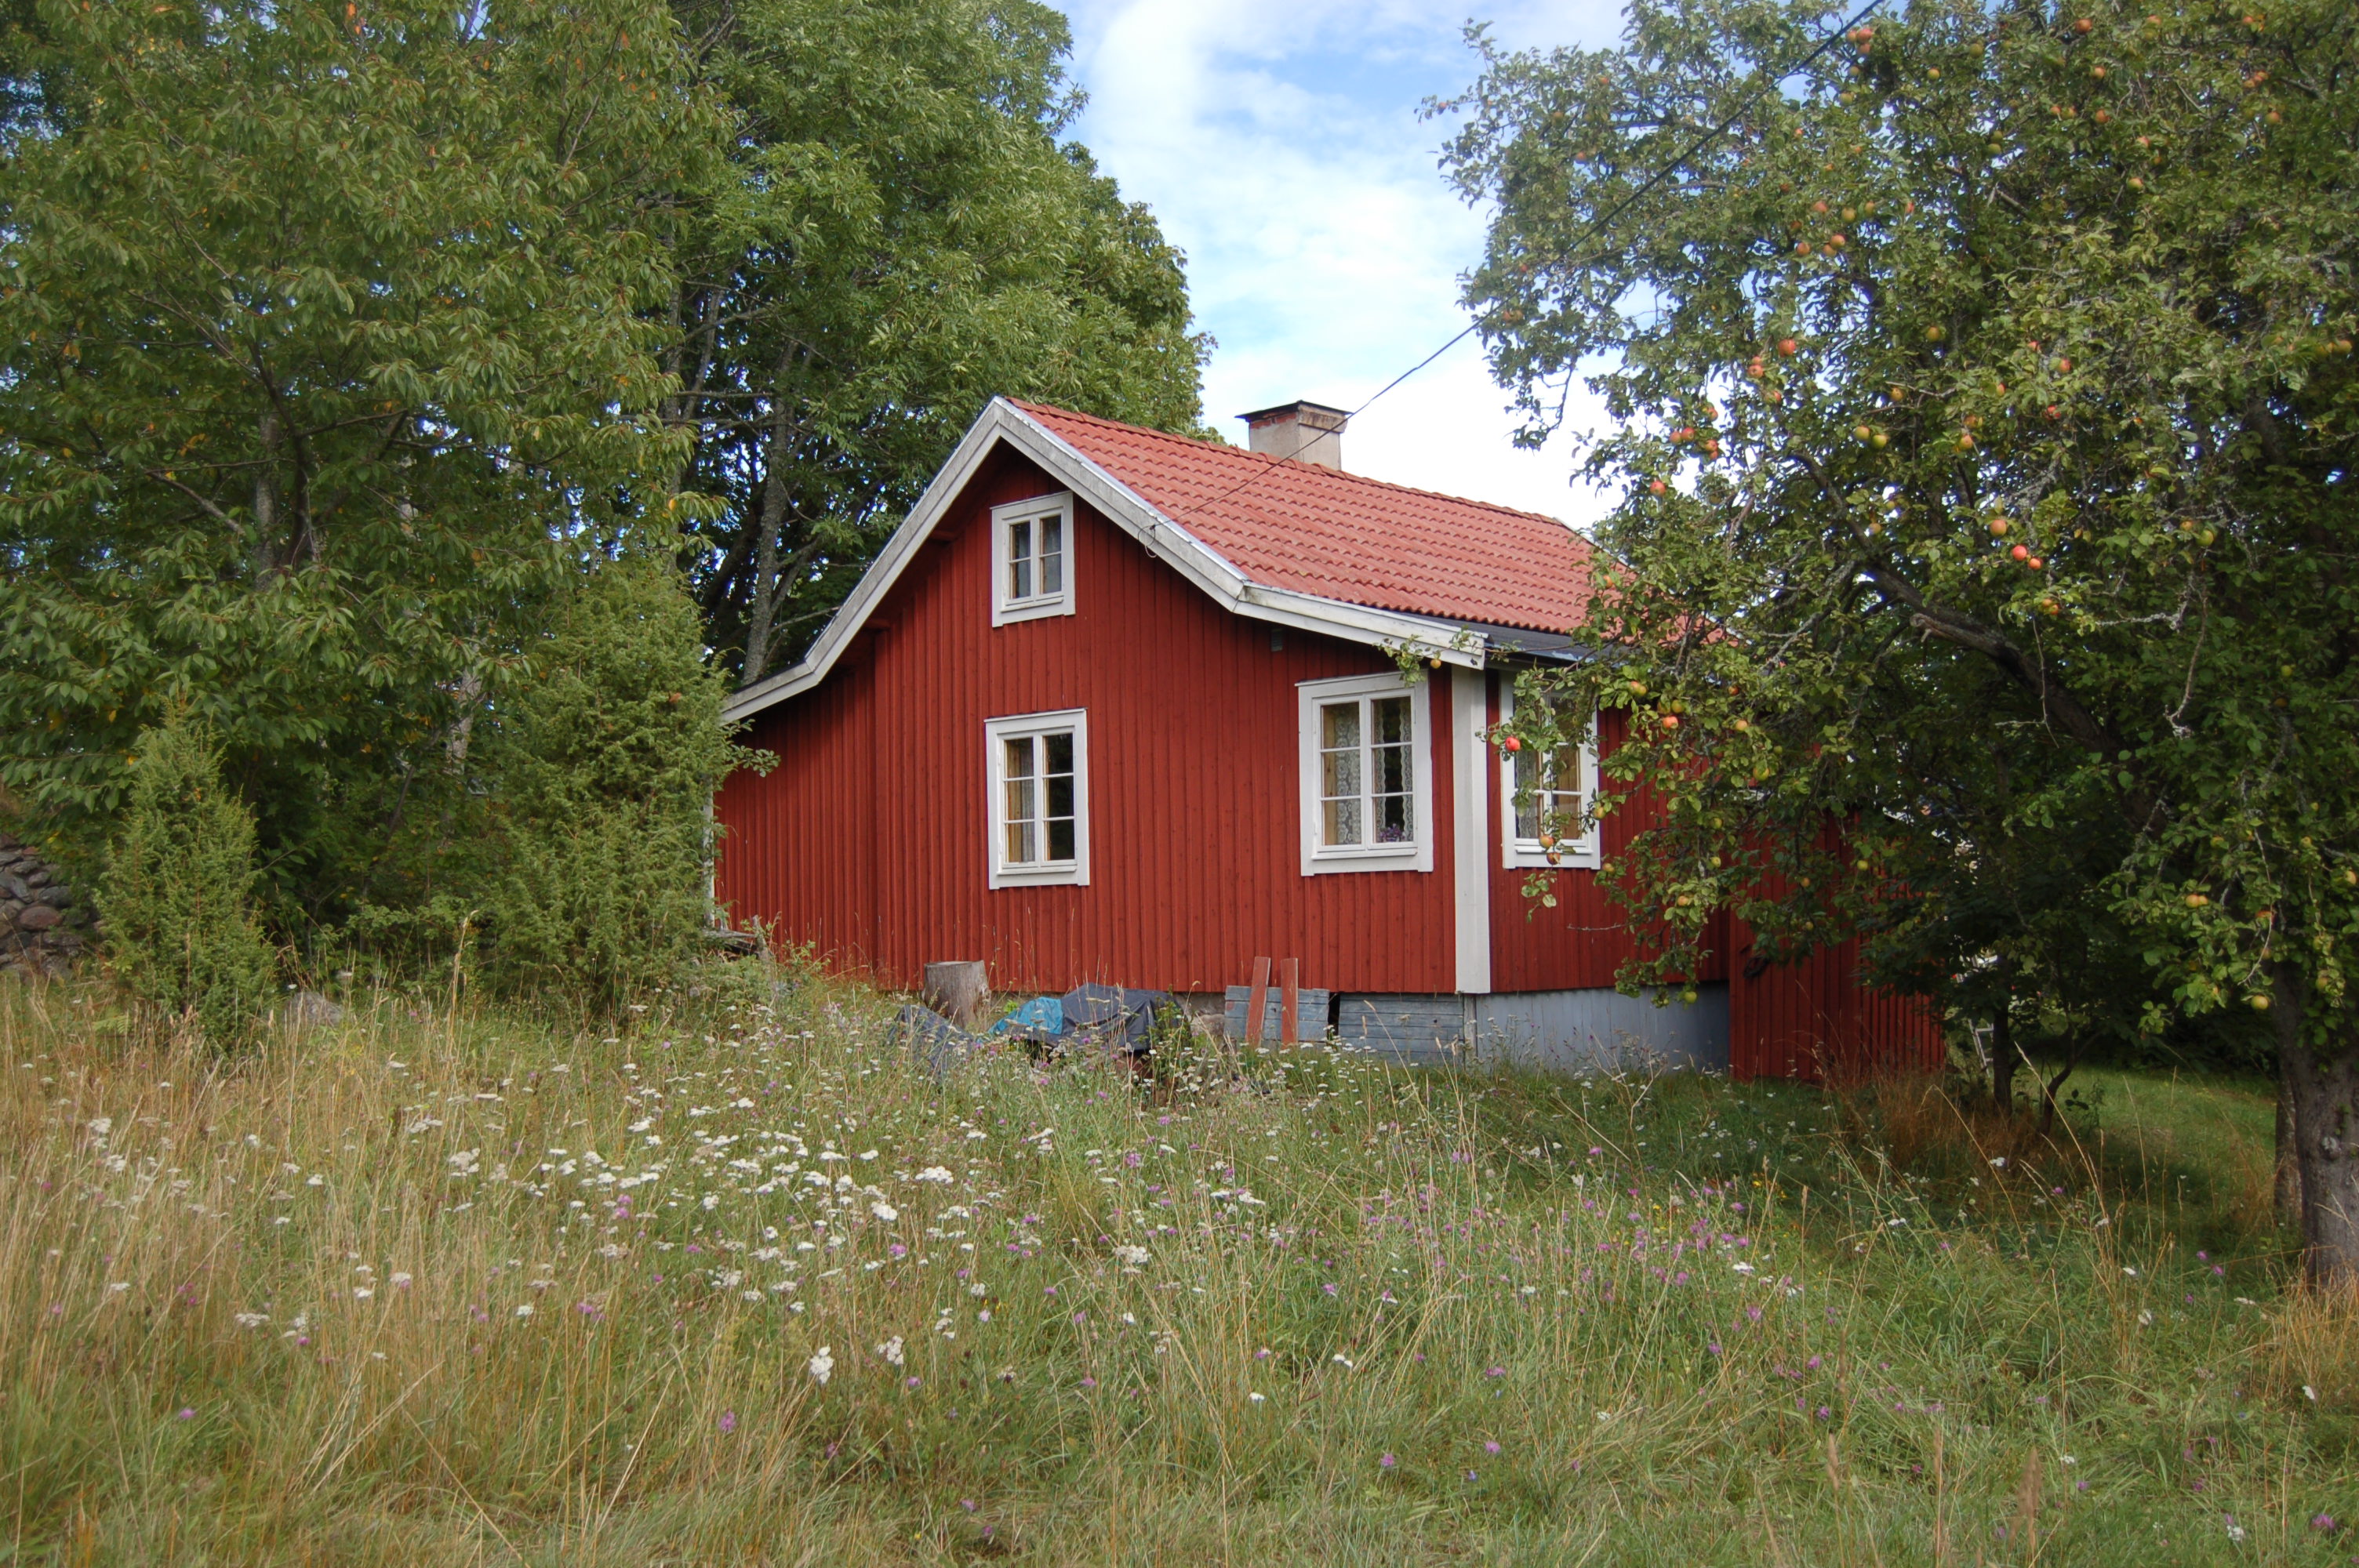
[[1565, 1032]]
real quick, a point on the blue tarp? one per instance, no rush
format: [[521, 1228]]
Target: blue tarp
[[1043, 1015], [1115, 1016]]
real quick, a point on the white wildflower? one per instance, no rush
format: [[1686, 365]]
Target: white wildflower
[[1745, 1268], [315, 1180], [1134, 1257], [891, 1350], [363, 1292], [1342, 1360], [823, 1366], [1256, 1398], [400, 1280], [524, 1310], [884, 1211], [935, 1174], [976, 1289], [251, 1319]]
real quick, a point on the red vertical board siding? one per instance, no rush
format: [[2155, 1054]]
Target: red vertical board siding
[[1816, 1022], [868, 841], [1584, 940]]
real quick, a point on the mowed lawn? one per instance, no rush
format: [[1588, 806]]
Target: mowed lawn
[[739, 1283]]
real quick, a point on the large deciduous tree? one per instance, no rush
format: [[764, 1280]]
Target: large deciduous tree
[[1986, 417], [323, 327], [901, 236]]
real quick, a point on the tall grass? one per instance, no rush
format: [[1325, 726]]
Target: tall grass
[[742, 1284]]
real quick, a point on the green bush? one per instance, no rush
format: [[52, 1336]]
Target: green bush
[[176, 898], [608, 759]]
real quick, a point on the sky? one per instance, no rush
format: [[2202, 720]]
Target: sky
[[1281, 147]]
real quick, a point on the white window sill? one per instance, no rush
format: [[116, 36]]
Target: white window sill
[[1526, 854], [1031, 609], [1066, 873], [1391, 858]]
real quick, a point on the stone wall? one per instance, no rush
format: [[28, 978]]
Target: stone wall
[[44, 924]]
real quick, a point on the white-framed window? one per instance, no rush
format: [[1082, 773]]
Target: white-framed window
[[1038, 769], [1032, 558], [1545, 801], [1367, 775]]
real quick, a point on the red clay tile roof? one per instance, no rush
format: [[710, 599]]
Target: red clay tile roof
[[1310, 529]]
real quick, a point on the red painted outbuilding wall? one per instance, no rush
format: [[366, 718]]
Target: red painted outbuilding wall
[[1816, 1022], [868, 841]]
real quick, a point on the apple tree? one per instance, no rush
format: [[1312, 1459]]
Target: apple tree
[[1984, 418]]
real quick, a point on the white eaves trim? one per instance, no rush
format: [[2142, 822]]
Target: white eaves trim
[[1165, 539]]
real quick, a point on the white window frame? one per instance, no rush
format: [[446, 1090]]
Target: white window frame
[[1006, 610], [1585, 853], [996, 733], [1319, 859]]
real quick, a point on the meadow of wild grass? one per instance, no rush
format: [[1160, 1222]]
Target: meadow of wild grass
[[739, 1283]]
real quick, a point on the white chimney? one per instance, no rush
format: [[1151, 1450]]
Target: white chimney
[[1307, 432]]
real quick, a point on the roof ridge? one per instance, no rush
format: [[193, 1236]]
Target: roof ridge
[[1269, 461]]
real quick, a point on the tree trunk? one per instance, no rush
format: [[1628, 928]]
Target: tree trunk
[[770, 516], [766, 581], [2049, 1087], [2003, 1062], [2324, 1086], [959, 989], [2288, 1171]]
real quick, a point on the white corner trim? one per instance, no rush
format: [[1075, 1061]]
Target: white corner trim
[[1035, 510], [1584, 854], [1469, 718], [1074, 873], [1167, 540], [1417, 856]]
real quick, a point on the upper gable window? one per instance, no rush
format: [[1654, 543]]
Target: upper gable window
[[1032, 558], [1546, 801], [1366, 763]]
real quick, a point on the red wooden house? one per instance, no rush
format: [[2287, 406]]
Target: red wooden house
[[1119, 706]]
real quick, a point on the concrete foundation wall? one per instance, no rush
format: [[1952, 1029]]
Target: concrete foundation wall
[[1567, 1031]]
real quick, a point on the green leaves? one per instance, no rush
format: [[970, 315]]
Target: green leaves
[[327, 332], [178, 892], [607, 760], [1991, 371], [901, 238]]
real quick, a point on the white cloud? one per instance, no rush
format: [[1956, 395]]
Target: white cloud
[[1283, 151]]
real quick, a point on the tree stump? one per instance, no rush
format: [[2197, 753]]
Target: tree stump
[[959, 990]]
